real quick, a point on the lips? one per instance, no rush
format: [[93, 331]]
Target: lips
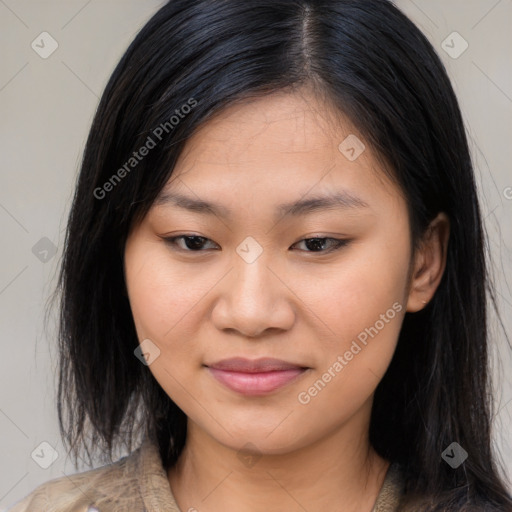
[[264, 364], [255, 377]]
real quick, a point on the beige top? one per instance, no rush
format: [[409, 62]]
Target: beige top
[[138, 483]]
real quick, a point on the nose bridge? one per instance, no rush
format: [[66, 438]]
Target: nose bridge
[[253, 298], [252, 285]]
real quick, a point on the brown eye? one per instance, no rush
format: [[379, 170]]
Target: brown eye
[[318, 244], [191, 243]]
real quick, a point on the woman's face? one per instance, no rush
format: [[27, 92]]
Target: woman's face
[[254, 287]]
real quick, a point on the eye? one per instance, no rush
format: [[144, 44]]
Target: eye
[[191, 243], [318, 243]]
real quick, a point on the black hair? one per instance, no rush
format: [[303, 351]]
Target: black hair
[[377, 68]]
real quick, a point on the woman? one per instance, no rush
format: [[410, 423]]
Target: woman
[[274, 276]]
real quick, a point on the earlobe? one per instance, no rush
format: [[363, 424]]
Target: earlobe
[[429, 263]]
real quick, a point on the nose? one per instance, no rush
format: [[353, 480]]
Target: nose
[[253, 300]]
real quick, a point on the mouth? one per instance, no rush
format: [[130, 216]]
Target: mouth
[[255, 377]]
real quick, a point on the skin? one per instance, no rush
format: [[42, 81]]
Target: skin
[[294, 302]]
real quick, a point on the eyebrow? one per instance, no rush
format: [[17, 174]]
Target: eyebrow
[[338, 200]]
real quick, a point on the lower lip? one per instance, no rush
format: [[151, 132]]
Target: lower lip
[[256, 383]]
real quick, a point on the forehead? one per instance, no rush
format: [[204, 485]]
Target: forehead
[[284, 122], [277, 148]]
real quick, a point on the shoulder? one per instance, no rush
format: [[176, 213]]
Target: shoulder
[[99, 488], [392, 490]]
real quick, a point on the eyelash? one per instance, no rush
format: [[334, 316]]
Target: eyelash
[[338, 243]]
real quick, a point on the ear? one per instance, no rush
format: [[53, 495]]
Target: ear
[[429, 263]]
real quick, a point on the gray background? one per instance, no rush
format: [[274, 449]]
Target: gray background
[[46, 107]]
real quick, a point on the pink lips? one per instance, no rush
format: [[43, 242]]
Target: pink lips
[[254, 377]]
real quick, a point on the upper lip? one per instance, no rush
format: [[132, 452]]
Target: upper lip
[[264, 364]]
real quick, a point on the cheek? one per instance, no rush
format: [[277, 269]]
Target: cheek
[[352, 294], [361, 307], [163, 297], [164, 301]]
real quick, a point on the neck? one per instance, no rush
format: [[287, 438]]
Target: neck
[[339, 472]]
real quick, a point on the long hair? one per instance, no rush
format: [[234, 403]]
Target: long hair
[[376, 67]]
